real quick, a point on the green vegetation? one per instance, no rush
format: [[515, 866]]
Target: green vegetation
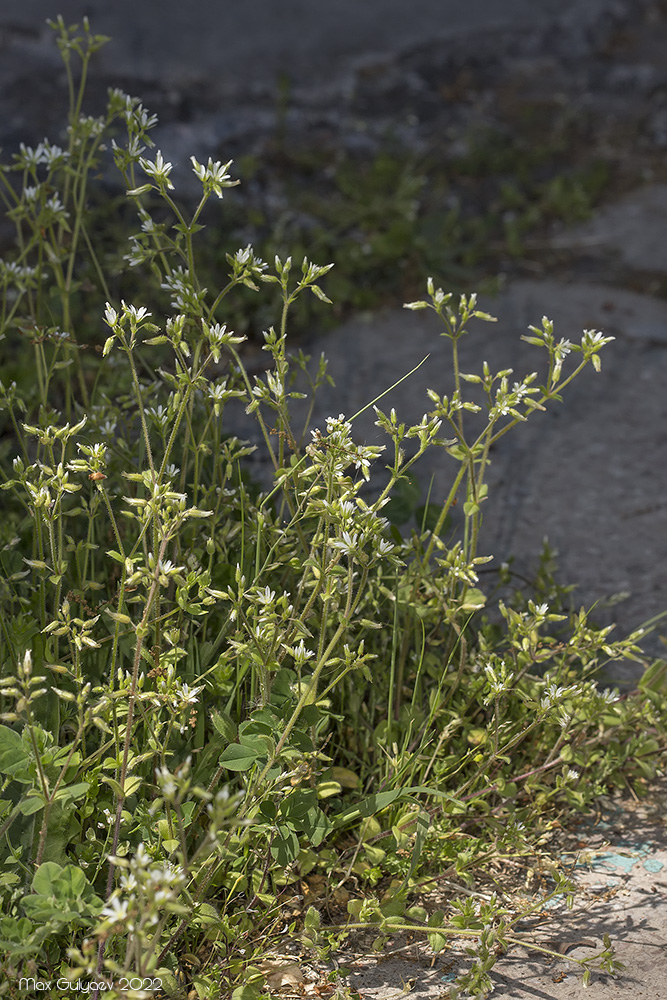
[[466, 210], [235, 717]]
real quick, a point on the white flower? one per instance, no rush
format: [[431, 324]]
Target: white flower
[[128, 882], [188, 695], [159, 170], [347, 543], [301, 653], [165, 780], [51, 154], [116, 910], [214, 176], [136, 314], [29, 157], [110, 315]]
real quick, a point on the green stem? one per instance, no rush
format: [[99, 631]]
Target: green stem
[[309, 692]]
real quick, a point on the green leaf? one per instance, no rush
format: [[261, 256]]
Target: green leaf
[[437, 942], [301, 811], [285, 847], [242, 756], [31, 805], [247, 992], [223, 724], [404, 501], [376, 803], [326, 789], [73, 881], [132, 784], [473, 600], [369, 806], [207, 915], [14, 756], [44, 881], [369, 828], [72, 792], [654, 677], [113, 785], [344, 776]]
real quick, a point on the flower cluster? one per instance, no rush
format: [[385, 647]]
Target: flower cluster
[[147, 892], [214, 176]]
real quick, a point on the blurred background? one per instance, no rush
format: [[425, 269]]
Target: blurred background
[[396, 140]]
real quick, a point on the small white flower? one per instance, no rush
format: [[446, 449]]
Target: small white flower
[[142, 858], [52, 154], [188, 695], [128, 882], [214, 176], [116, 910], [136, 314], [301, 653], [110, 315], [165, 780], [29, 157], [159, 170]]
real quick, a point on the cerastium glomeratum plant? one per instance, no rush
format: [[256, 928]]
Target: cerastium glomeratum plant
[[237, 714]]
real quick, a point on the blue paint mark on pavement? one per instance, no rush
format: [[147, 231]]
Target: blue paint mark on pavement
[[612, 860]]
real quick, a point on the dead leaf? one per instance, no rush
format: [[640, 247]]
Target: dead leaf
[[278, 975]]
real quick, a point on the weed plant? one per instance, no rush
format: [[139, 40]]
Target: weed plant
[[235, 717]]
